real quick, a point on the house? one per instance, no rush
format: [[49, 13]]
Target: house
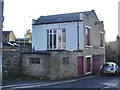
[[8, 40], [1, 26], [74, 45], [8, 36]]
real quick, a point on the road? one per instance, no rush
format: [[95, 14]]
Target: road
[[103, 82], [90, 82]]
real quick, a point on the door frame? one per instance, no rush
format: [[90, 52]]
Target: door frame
[[91, 62]]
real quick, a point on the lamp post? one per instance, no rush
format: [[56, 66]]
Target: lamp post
[[27, 26], [24, 29]]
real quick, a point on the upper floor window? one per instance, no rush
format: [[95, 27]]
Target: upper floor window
[[87, 36], [56, 39], [101, 39]]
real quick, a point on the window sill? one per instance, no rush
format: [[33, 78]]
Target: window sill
[[88, 46], [88, 72], [102, 47], [56, 49]]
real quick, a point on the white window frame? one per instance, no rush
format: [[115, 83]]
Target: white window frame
[[87, 56], [90, 37], [102, 38], [58, 32]]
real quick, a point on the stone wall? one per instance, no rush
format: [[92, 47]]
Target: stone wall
[[52, 64], [11, 63], [41, 69], [61, 70]]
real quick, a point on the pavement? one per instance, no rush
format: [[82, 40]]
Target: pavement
[[9, 83], [17, 83]]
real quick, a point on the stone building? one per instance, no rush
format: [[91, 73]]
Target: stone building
[[73, 43], [23, 40], [8, 36]]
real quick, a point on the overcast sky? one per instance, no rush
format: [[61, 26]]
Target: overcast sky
[[18, 13]]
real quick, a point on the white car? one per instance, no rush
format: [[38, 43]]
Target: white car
[[109, 68], [15, 44]]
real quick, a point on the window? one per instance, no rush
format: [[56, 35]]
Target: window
[[56, 39], [34, 60], [63, 38], [101, 39], [65, 60], [87, 36]]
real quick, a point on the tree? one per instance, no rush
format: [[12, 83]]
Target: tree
[[111, 56]]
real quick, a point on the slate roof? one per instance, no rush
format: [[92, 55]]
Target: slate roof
[[6, 32], [69, 17]]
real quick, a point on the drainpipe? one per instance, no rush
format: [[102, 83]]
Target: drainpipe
[[78, 35]]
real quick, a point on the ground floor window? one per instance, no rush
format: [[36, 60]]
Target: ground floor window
[[65, 60], [56, 39], [34, 60]]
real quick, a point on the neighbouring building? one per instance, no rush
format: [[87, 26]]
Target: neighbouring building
[[1, 26], [66, 45], [8, 36], [25, 44], [23, 40]]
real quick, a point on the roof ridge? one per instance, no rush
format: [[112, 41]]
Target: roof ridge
[[67, 13]]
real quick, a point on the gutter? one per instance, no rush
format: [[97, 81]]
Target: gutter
[[55, 22], [78, 35]]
